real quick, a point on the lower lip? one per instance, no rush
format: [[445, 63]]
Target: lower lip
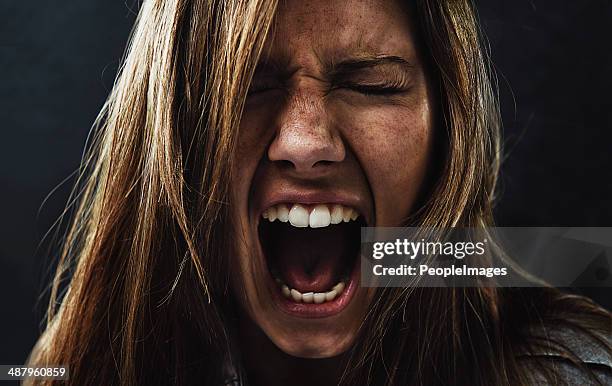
[[312, 310]]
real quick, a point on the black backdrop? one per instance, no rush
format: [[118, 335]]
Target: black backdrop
[[58, 61]]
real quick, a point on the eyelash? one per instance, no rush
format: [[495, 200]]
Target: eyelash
[[368, 90], [378, 90]]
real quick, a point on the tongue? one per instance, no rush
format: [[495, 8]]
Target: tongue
[[311, 260]]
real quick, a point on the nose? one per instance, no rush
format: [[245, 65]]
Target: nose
[[306, 139]]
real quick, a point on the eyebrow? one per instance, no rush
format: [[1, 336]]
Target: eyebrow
[[340, 68], [356, 64]]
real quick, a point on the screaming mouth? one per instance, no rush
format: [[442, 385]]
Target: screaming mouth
[[311, 251]]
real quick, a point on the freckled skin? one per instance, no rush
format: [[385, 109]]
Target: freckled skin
[[308, 135]]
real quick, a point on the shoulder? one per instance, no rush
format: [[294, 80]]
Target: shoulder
[[570, 355]]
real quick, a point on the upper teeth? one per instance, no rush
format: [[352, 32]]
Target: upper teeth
[[317, 216]]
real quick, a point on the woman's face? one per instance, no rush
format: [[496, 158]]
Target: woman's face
[[336, 134]]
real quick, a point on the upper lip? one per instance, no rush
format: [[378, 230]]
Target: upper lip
[[313, 197]]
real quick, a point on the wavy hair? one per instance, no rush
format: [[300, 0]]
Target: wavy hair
[[140, 295]]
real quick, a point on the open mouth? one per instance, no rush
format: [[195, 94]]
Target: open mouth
[[311, 252]]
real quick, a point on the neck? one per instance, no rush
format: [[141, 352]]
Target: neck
[[265, 364]]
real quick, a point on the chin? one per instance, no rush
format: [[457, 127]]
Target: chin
[[315, 345]]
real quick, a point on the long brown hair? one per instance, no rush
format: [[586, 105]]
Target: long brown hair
[[146, 299]]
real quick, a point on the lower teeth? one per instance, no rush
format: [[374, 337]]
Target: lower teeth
[[312, 297]]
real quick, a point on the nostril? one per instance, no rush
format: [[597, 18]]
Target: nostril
[[304, 156], [323, 163], [284, 164], [317, 166]]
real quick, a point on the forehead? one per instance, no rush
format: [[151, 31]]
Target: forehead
[[305, 30]]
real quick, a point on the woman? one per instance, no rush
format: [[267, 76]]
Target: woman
[[241, 149]]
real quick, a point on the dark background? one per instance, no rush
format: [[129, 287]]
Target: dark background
[[58, 61]]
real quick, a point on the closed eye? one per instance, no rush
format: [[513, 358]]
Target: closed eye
[[264, 84], [377, 90]]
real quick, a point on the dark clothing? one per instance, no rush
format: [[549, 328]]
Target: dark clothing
[[588, 351]]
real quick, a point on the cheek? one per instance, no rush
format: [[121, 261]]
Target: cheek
[[253, 136], [249, 150], [250, 146], [393, 144]]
